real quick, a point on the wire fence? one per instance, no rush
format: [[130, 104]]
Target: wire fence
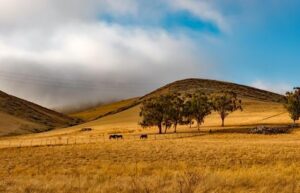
[[73, 140]]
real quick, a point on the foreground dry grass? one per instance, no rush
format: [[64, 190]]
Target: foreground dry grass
[[224, 161], [209, 163]]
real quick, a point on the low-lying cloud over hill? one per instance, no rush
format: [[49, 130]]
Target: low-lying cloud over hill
[[65, 52]]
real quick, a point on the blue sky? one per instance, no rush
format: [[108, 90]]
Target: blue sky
[[124, 48], [261, 44]]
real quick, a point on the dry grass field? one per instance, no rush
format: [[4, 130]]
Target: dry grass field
[[219, 160], [208, 163], [226, 160]]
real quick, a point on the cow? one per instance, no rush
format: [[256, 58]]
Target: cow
[[115, 136], [86, 129], [144, 136]]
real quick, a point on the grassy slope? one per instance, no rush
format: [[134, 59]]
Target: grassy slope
[[254, 113], [94, 113], [213, 86], [260, 107], [183, 86], [20, 117], [126, 122]]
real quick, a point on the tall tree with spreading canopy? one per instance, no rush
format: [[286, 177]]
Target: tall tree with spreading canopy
[[156, 112], [292, 104], [200, 107], [188, 111], [176, 110], [226, 103]]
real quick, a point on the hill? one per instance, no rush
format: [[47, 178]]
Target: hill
[[182, 86], [260, 107], [214, 86], [224, 159], [18, 116]]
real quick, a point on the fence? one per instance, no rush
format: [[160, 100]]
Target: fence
[[73, 140]]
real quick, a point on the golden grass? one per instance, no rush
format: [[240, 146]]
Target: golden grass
[[219, 162], [210, 163], [254, 113], [93, 113]]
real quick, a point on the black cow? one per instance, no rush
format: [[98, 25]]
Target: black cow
[[115, 136], [144, 136]]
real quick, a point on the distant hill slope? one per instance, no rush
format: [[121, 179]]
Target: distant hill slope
[[182, 86], [213, 86], [18, 116], [102, 110]]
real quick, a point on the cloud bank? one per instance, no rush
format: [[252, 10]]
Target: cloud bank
[[63, 53]]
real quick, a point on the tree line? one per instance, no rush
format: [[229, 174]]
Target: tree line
[[173, 109]]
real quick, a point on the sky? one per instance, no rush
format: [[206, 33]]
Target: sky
[[66, 53]]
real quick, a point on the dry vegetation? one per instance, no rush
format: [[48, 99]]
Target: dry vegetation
[[210, 163], [226, 160], [18, 116], [94, 113], [216, 160]]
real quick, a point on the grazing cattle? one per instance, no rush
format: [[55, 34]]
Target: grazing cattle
[[86, 129], [115, 136], [144, 136]]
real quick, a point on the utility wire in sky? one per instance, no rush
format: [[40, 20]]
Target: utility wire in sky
[[71, 83]]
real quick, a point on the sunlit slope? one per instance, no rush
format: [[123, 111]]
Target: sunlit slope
[[182, 86], [255, 113], [260, 107], [97, 112], [18, 116], [213, 86]]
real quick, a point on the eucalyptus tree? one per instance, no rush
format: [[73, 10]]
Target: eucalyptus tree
[[155, 111], [226, 103], [200, 107], [292, 104]]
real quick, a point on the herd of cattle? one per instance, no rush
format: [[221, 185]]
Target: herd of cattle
[[117, 136], [114, 136]]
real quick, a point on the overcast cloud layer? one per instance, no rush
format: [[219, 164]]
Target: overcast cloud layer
[[71, 52], [61, 52]]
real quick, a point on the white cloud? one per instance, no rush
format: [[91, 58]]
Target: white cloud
[[204, 10], [44, 43], [97, 53], [45, 13], [280, 88]]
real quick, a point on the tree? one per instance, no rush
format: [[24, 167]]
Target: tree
[[152, 113], [292, 104], [156, 112], [188, 112], [177, 109], [225, 104], [200, 107]]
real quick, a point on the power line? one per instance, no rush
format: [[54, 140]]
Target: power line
[[69, 83]]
